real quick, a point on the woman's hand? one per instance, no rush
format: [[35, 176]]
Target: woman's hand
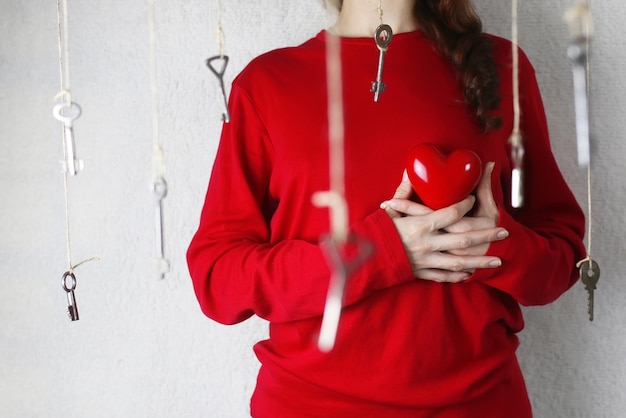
[[446, 245]]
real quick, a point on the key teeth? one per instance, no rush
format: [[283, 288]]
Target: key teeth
[[72, 314], [590, 305], [378, 87]]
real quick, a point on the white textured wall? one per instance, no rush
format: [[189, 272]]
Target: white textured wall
[[142, 347]]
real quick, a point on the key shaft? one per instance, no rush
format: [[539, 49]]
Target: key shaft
[[159, 189], [218, 71], [382, 36], [589, 275]]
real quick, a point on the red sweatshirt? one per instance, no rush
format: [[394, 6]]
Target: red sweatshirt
[[405, 347]]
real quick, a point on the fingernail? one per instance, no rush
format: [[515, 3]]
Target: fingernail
[[495, 263], [384, 205], [503, 233]]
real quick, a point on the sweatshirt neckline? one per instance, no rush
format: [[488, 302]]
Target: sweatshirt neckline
[[367, 41]]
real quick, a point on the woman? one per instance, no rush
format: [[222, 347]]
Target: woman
[[429, 322]]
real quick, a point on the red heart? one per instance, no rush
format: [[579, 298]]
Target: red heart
[[441, 180]]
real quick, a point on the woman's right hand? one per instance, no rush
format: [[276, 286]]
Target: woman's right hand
[[434, 253]]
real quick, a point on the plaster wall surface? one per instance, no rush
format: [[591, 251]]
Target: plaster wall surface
[[142, 347]]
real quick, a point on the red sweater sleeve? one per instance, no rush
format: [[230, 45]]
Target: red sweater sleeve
[[545, 242], [237, 270]]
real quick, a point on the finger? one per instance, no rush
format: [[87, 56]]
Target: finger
[[470, 224], [461, 264], [486, 204], [405, 207], [445, 217], [442, 276], [458, 242]]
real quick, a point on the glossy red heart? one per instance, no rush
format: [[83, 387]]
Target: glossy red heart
[[442, 180]]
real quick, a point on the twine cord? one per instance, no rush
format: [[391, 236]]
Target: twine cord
[[66, 95], [219, 33], [516, 136], [158, 160], [582, 14]]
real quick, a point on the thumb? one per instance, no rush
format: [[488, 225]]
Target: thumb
[[403, 191], [405, 188], [484, 195]]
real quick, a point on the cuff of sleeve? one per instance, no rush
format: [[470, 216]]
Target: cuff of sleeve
[[389, 264]]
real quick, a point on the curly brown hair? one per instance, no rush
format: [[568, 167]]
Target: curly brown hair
[[457, 31]]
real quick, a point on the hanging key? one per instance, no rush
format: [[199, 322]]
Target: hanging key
[[72, 308], [160, 191], [578, 54], [517, 173], [67, 113], [341, 270], [219, 73], [382, 36], [581, 28], [589, 275]]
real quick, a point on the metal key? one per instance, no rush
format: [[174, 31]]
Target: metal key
[[517, 173], [590, 274], [219, 73], [578, 54], [160, 191], [60, 112], [72, 308], [581, 27], [341, 270], [382, 36]]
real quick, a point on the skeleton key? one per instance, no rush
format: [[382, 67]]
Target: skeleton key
[[160, 191], [72, 308], [517, 174], [72, 163], [341, 269], [219, 73], [382, 36], [590, 274]]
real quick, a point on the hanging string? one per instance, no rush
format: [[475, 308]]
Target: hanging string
[[335, 197], [219, 33], [158, 160], [218, 63], [515, 141], [516, 137], [64, 81], [63, 47], [65, 95], [582, 14], [159, 185]]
